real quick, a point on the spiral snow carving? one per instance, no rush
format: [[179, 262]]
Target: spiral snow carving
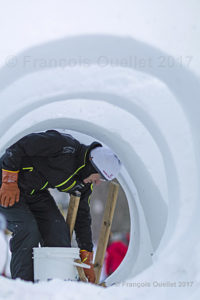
[[148, 115]]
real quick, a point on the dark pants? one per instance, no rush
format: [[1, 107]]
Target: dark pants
[[32, 220]]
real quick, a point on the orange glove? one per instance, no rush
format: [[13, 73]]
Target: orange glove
[[9, 192], [87, 258]]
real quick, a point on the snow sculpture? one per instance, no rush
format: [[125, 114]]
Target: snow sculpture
[[145, 113]]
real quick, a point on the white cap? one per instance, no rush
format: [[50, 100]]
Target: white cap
[[105, 162]]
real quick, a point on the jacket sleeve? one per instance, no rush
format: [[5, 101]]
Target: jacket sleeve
[[46, 143], [83, 221]]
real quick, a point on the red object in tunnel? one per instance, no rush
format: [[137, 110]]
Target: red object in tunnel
[[114, 255]]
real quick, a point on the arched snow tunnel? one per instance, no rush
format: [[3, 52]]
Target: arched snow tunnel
[[102, 92]]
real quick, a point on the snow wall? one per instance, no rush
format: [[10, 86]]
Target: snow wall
[[116, 90]]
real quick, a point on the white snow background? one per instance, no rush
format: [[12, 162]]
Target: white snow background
[[129, 78]]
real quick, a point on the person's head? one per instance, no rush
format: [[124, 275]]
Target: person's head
[[106, 164]]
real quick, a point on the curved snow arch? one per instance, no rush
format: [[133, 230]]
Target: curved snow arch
[[141, 248], [117, 46], [23, 119], [140, 255], [124, 103]]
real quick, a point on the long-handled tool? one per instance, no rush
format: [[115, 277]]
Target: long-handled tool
[[105, 229], [72, 211], [71, 219]]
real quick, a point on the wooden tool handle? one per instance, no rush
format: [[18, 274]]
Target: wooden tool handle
[[72, 212], [71, 220], [105, 228]]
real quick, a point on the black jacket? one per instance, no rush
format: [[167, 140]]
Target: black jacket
[[55, 160]]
